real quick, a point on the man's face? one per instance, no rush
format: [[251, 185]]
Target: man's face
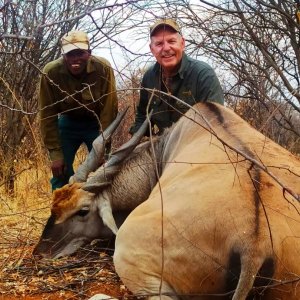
[[167, 47], [76, 61]]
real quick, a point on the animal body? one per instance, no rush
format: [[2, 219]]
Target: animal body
[[219, 213]]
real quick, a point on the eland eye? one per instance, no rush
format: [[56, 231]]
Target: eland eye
[[83, 212]]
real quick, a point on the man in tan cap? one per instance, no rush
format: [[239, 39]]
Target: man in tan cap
[[175, 74], [77, 101]]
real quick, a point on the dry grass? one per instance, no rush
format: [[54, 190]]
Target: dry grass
[[22, 218]]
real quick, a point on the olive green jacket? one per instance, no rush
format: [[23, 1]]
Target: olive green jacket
[[195, 82], [92, 96]]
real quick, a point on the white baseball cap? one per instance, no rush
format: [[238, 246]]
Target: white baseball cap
[[75, 39]]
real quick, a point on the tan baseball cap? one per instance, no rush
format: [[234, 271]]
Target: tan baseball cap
[[165, 22], [75, 39]]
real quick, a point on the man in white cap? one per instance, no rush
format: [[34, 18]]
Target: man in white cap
[[77, 100], [174, 74]]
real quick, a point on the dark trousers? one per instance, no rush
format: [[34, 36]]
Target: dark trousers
[[73, 133]]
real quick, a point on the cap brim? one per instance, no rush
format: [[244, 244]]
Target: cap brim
[[162, 25], [69, 47]]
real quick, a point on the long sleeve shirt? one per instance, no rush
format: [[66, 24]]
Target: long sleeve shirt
[[91, 96], [195, 82]]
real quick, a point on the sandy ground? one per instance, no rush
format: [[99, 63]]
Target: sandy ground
[[88, 272], [22, 276]]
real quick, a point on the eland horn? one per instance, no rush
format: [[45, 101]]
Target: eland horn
[[95, 157], [104, 174]]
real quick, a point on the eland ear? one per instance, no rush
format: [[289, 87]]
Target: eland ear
[[105, 212], [95, 188]]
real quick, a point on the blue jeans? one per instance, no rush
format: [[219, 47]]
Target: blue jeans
[[73, 133]]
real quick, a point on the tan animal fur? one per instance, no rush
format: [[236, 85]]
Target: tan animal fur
[[212, 205]]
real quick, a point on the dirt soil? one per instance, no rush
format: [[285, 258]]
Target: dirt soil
[[88, 272]]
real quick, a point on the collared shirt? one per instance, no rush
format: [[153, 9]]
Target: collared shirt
[[91, 97], [195, 82]]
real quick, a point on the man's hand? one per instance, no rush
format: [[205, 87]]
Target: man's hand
[[58, 168]]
